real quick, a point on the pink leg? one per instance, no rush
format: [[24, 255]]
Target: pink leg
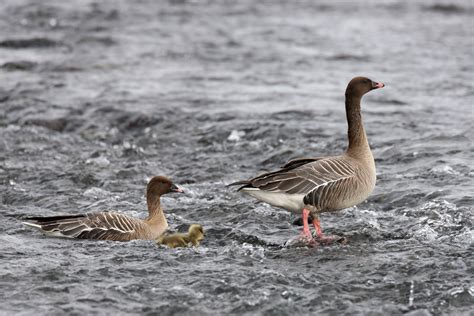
[[326, 240], [317, 226], [305, 235], [306, 231], [304, 238]]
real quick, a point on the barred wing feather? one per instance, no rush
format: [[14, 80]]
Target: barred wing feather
[[107, 225], [321, 181]]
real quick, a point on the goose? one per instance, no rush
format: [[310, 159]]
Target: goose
[[112, 225], [194, 236], [313, 185]]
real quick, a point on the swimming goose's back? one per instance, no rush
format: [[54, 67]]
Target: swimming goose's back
[[104, 226]]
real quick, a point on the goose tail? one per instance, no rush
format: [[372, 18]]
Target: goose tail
[[242, 183], [34, 225], [57, 226]]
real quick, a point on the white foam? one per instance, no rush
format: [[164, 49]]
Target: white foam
[[446, 169], [235, 135], [98, 161]]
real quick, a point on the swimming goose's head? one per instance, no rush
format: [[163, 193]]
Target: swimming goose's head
[[160, 185], [359, 86]]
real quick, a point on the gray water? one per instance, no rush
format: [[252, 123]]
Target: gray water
[[97, 97]]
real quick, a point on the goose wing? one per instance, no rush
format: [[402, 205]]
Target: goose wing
[[294, 163], [303, 178], [106, 226]]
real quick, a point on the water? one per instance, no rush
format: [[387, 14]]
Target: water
[[95, 98]]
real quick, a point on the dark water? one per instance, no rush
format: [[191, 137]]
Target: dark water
[[96, 97]]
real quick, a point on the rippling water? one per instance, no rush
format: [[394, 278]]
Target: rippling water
[[96, 97]]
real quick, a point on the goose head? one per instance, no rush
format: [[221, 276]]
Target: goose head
[[359, 86], [160, 185]]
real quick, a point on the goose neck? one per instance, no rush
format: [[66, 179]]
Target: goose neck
[[155, 210], [358, 143]]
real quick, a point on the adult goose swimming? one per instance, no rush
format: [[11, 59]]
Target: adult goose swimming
[[323, 184], [112, 225]]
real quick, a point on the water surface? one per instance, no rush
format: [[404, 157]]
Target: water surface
[[96, 97]]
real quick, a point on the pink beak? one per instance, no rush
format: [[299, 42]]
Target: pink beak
[[175, 188], [377, 85]]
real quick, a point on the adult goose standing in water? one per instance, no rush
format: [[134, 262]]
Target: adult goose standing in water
[[112, 225], [323, 184]]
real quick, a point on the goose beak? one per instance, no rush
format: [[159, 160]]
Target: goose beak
[[377, 85], [176, 189]]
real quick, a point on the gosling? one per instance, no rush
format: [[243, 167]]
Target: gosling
[[193, 237]]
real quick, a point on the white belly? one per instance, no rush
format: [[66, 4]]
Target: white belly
[[290, 202]]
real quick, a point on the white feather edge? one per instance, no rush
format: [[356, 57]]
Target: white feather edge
[[32, 225], [290, 202], [58, 233], [55, 233]]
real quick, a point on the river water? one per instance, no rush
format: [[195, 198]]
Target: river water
[[97, 97]]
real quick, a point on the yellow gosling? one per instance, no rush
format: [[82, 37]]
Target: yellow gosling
[[193, 237]]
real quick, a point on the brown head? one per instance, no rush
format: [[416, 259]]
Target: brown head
[[196, 232], [359, 86], [160, 185]]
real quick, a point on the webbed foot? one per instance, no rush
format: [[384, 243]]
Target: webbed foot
[[327, 240]]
